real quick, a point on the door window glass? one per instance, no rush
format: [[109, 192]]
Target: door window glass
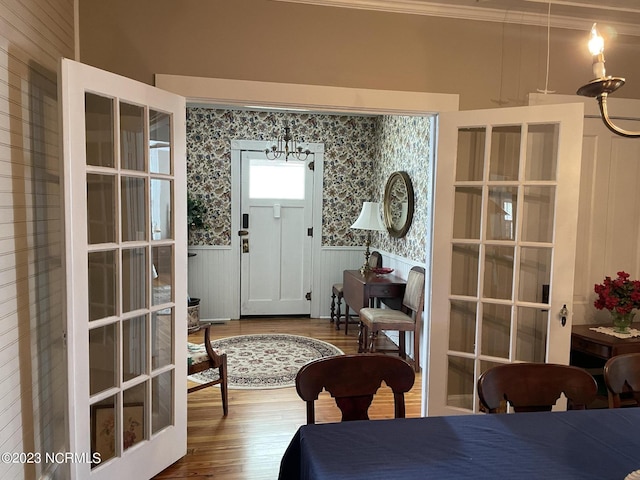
[[276, 179]]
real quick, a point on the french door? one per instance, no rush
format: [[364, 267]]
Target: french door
[[125, 235], [505, 220]]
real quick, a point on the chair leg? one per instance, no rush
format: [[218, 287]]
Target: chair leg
[[223, 386], [346, 319], [362, 337], [338, 312], [372, 341], [333, 307], [402, 343]]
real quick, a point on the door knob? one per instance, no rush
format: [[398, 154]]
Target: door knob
[[563, 314]]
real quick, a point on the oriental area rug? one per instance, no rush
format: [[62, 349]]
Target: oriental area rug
[[266, 361]]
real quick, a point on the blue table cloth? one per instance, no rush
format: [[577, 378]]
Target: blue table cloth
[[587, 444]]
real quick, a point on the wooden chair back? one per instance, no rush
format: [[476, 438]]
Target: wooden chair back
[[622, 375], [375, 259], [414, 292], [353, 380], [535, 387]]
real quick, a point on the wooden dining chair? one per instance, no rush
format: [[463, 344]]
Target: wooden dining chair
[[622, 378], [353, 380], [535, 387], [407, 319], [375, 261], [202, 357]]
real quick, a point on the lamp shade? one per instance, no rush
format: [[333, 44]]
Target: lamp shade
[[369, 218]]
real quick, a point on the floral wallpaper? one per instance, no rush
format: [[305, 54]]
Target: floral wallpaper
[[403, 144], [360, 154]]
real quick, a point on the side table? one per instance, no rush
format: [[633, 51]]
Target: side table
[[591, 350]]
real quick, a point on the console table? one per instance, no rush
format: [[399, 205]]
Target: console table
[[359, 291], [600, 345], [591, 350]]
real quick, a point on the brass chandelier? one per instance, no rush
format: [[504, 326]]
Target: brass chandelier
[[282, 148], [602, 85]]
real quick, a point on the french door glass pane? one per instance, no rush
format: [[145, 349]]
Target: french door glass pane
[[501, 217], [498, 272], [542, 152], [103, 429], [496, 330], [159, 142], [134, 279], [102, 358], [99, 130], [462, 326], [162, 258], [470, 160], [467, 213], [133, 211], [134, 410], [464, 263], [102, 284], [161, 211], [134, 352], [531, 339], [505, 153], [161, 338], [535, 274], [162, 401], [131, 137], [460, 382], [101, 208], [538, 215]]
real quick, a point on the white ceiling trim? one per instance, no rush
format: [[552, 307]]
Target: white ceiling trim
[[318, 98], [418, 7]]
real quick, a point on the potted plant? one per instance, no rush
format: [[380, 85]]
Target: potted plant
[[196, 213]]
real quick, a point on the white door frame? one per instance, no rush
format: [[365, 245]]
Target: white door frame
[[237, 146]]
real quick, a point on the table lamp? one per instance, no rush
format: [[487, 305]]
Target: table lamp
[[369, 220]]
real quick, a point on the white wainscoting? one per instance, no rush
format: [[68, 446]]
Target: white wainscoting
[[214, 278]]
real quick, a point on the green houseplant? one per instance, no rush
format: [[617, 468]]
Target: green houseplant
[[196, 212]]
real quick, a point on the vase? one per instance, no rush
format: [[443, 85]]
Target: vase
[[622, 321]]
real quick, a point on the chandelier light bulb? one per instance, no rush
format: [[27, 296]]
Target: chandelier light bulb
[[596, 47], [596, 42]]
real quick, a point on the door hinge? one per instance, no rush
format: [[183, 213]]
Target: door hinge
[[310, 232], [308, 296], [312, 165]]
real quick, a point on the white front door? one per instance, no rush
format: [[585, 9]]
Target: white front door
[[125, 235], [275, 235], [506, 201]]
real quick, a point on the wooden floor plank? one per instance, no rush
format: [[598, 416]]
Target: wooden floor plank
[[249, 443]]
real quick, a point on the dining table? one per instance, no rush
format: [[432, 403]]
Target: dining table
[[578, 444]]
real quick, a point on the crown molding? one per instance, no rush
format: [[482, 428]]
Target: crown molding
[[419, 7]]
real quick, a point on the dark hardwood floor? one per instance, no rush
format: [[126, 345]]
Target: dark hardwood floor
[[248, 444]]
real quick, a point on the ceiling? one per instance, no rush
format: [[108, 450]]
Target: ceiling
[[623, 15]]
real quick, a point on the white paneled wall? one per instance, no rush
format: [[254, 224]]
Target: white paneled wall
[[608, 216], [213, 277], [33, 36]]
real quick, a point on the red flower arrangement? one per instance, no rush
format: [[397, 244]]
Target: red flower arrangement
[[619, 295]]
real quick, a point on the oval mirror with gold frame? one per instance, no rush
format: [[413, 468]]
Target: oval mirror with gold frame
[[398, 204]]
